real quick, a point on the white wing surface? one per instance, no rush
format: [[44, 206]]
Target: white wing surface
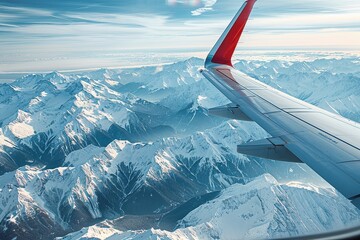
[[301, 132]]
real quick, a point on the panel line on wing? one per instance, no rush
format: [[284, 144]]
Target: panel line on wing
[[350, 161]]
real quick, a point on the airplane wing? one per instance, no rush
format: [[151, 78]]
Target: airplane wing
[[301, 132]]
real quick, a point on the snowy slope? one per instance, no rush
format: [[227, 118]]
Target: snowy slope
[[261, 209], [100, 182], [96, 183], [266, 209], [54, 116]]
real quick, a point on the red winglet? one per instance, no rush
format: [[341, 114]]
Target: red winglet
[[224, 48]]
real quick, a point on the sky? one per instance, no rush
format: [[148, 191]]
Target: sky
[[43, 35]]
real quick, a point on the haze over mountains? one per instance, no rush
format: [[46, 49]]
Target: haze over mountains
[[132, 153]]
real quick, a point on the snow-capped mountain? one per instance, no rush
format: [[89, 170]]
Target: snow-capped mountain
[[261, 209], [96, 183], [133, 153], [45, 117]]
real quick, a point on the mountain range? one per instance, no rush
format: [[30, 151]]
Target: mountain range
[[133, 153]]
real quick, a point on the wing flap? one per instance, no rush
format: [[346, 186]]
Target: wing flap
[[270, 148], [229, 111]]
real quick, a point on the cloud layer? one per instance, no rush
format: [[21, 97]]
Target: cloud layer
[[71, 29]]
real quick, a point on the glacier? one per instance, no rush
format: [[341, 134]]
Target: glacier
[[132, 153]]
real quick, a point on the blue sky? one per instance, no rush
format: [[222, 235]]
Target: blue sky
[[42, 35]]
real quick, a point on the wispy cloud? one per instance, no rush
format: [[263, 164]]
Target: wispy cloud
[[186, 2], [130, 20], [208, 4], [203, 5], [26, 10], [307, 21]]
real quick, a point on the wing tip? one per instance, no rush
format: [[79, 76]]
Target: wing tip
[[224, 48]]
